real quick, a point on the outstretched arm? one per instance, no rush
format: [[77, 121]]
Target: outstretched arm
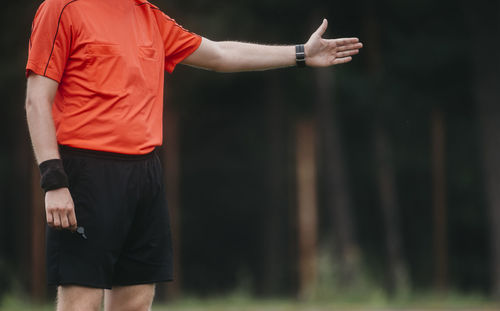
[[230, 56]]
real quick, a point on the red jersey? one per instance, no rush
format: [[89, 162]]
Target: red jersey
[[109, 58]]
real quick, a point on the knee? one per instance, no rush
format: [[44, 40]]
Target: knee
[[133, 298], [136, 303], [76, 298]]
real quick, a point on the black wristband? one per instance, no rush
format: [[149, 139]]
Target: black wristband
[[300, 56], [53, 175]]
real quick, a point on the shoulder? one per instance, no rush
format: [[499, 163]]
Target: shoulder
[[159, 13], [55, 7], [57, 4], [146, 4]]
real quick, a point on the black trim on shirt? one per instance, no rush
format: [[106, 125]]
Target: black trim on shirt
[[152, 7], [31, 34], [55, 37]]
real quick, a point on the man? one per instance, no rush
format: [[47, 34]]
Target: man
[[94, 108]]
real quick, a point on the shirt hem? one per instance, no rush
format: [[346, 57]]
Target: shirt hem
[[32, 67]]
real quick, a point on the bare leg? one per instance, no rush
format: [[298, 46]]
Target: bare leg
[[129, 298], [78, 298]]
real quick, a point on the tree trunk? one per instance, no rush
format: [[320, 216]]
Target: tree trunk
[[397, 274], [336, 182], [483, 20], [37, 275], [307, 208], [488, 99], [439, 201], [26, 241]]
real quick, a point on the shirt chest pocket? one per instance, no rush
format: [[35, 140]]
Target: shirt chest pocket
[[151, 67], [106, 68]]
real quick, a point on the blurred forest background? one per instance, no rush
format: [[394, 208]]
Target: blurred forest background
[[382, 175]]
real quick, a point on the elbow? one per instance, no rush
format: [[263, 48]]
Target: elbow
[[223, 67], [220, 69], [40, 93], [28, 104], [32, 100], [221, 59], [31, 104], [35, 106], [218, 66]]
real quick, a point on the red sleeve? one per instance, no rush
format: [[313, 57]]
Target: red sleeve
[[50, 40], [179, 43]]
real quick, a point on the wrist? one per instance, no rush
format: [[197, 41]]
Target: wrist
[[53, 175], [307, 50]]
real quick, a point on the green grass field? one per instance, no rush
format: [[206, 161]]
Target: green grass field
[[461, 303]]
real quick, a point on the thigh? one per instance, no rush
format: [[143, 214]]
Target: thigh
[[77, 298], [133, 298]]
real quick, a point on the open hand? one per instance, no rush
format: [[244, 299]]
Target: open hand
[[60, 209], [327, 52]]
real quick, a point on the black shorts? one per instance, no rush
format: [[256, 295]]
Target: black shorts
[[120, 203]]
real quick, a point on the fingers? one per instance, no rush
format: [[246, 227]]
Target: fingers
[[321, 30], [345, 48], [347, 53], [62, 219], [344, 41], [72, 220], [342, 60], [60, 211], [355, 46], [50, 218], [57, 221], [68, 220]]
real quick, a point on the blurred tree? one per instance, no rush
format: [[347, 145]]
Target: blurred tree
[[396, 268], [484, 22], [307, 207], [440, 236], [337, 198], [37, 286]]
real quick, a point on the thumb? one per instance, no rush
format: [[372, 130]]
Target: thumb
[[321, 30]]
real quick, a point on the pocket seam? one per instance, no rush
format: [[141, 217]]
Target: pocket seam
[[142, 54], [99, 49]]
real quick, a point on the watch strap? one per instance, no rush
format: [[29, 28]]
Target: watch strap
[[300, 56]]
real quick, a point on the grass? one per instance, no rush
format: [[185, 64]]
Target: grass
[[246, 303], [422, 302]]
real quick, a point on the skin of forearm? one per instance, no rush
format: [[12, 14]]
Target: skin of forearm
[[42, 130], [238, 56]]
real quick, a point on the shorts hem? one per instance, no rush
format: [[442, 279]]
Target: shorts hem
[[163, 280], [100, 286]]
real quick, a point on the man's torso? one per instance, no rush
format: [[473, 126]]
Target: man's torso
[[110, 96]]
